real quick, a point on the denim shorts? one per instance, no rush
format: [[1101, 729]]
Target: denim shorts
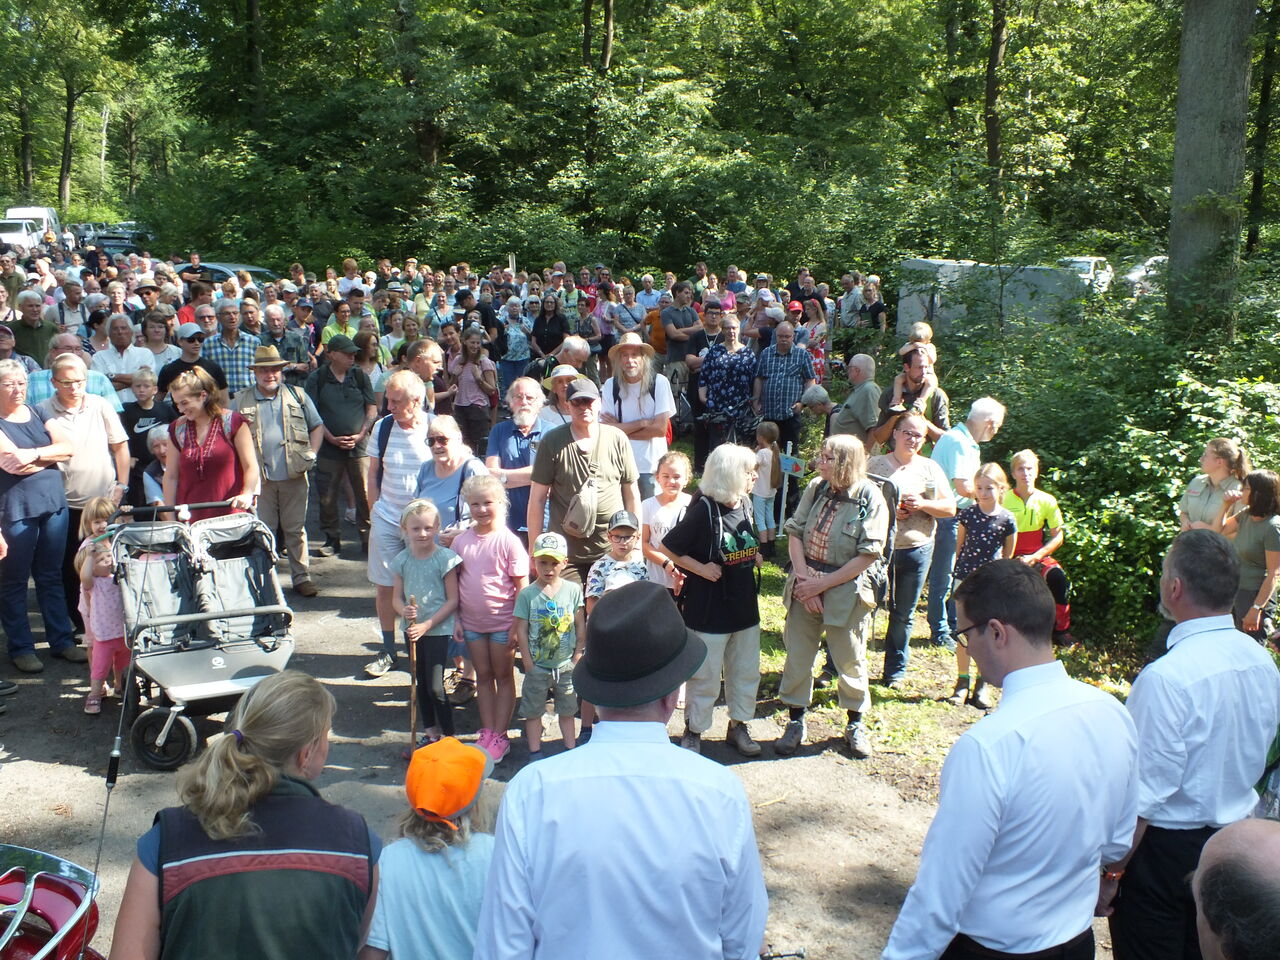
[[497, 636], [762, 508]]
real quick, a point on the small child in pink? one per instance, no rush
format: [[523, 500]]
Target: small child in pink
[[495, 568], [101, 604]]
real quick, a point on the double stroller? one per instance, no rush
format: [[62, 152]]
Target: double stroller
[[205, 620]]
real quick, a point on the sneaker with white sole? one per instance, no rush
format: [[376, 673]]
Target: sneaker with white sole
[[383, 665], [792, 738], [498, 746], [692, 741], [740, 739], [859, 741]]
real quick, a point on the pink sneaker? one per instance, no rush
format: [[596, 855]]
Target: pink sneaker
[[498, 746], [483, 738]]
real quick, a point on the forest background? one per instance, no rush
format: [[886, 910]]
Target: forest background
[[767, 133]]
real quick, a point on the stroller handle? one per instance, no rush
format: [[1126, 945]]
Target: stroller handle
[[153, 512]]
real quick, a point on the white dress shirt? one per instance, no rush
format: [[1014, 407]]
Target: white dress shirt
[[112, 362], [626, 847], [1035, 798], [1206, 713]]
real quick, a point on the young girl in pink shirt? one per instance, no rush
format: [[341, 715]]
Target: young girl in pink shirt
[[495, 568], [101, 604]]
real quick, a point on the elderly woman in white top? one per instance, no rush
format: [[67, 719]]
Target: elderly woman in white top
[[639, 403]]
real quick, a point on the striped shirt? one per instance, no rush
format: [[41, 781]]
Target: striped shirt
[[406, 452]]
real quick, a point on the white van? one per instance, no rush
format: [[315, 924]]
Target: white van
[[45, 218]]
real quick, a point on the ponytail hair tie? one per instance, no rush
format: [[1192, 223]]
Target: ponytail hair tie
[[239, 737]]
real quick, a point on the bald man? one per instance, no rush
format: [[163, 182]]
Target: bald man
[[1237, 892]]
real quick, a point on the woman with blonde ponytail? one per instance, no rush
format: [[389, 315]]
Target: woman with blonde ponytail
[[1214, 495], [255, 863]]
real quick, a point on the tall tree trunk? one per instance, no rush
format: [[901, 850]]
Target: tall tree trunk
[[1262, 132], [131, 152], [102, 155], [26, 144], [606, 46], [253, 51], [70, 96], [586, 32], [427, 134], [991, 99], [1208, 167]]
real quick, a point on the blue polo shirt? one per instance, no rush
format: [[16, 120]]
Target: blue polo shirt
[[515, 450], [957, 453]]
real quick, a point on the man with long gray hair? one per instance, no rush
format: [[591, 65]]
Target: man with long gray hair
[[512, 446]]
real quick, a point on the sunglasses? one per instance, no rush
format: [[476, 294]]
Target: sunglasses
[[437, 441], [581, 402], [198, 338]]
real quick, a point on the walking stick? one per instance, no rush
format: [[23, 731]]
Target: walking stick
[[413, 688]]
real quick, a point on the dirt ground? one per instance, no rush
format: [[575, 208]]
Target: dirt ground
[[840, 839]]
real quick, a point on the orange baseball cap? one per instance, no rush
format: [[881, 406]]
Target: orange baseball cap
[[444, 779]]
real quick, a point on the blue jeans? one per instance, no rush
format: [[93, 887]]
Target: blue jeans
[[907, 570], [36, 545], [942, 617], [508, 372]]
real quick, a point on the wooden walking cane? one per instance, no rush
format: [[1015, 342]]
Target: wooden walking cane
[[413, 688]]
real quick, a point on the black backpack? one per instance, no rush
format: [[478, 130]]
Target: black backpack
[[878, 572]]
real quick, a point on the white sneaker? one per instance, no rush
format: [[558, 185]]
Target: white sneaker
[[383, 665]]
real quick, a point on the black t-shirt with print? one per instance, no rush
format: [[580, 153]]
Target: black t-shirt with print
[[725, 537]]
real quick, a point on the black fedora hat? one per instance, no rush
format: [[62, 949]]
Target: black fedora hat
[[638, 648]]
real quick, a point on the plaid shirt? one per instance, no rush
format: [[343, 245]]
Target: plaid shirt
[[784, 376], [234, 361]]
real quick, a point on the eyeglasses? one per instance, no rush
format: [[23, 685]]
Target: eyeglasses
[[623, 537], [70, 383], [437, 441], [959, 633], [825, 458], [910, 435]]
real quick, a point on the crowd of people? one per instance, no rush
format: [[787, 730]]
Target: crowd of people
[[503, 447]]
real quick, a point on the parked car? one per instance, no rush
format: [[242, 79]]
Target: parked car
[[1095, 272], [45, 218], [218, 272], [19, 233], [1146, 276]]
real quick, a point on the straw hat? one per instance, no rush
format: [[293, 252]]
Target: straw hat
[[629, 339]]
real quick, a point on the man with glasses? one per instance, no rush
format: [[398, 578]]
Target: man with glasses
[[99, 467], [1035, 797], [918, 397], [231, 349], [924, 495], [570, 454], [40, 383], [191, 342]]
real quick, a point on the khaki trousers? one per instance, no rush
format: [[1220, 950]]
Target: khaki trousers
[[282, 506], [802, 636], [737, 656]]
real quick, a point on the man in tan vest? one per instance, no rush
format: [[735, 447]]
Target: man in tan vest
[[287, 431]]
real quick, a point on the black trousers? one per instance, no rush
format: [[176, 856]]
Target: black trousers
[[966, 948], [1155, 916], [71, 579], [430, 656]]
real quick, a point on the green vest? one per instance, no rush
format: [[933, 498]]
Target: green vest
[[298, 455]]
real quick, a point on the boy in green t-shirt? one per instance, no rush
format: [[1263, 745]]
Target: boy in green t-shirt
[[550, 629]]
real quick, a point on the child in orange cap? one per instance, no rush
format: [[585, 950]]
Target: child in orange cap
[[432, 880]]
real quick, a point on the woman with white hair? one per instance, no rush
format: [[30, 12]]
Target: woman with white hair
[[717, 548]]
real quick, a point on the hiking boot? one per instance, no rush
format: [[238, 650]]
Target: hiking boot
[[691, 741], [305, 588], [330, 548], [28, 663], [463, 692], [792, 738], [961, 693], [979, 696], [383, 665], [740, 739], [71, 654], [859, 741]]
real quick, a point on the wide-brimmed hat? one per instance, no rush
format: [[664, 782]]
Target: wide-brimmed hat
[[638, 648], [444, 779], [267, 357], [629, 339], [566, 370]]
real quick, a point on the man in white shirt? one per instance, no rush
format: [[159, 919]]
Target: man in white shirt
[[1035, 797], [1206, 713], [121, 360], [627, 847], [638, 401]]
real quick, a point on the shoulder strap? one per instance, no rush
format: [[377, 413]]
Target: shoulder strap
[[384, 438]]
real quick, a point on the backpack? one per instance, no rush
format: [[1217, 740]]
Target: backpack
[[653, 395]]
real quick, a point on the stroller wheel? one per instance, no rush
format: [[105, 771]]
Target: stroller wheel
[[179, 745]]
